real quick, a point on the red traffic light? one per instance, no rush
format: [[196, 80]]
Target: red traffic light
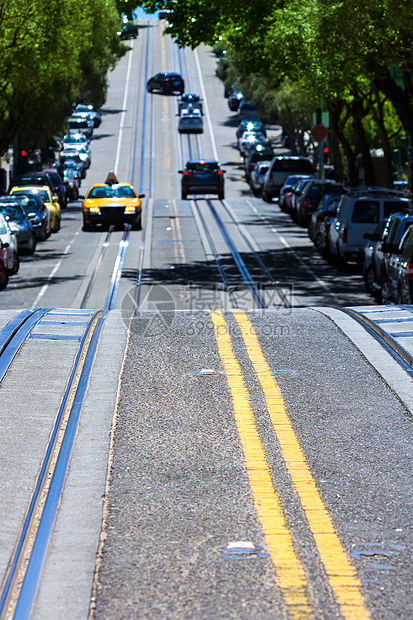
[[24, 153], [325, 150]]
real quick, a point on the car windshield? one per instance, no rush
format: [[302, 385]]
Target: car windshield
[[12, 211], [29, 204], [202, 167], [112, 191], [42, 193]]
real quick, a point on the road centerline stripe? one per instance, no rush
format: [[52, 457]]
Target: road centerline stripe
[[289, 572], [341, 573]]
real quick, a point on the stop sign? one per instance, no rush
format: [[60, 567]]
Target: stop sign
[[319, 132]]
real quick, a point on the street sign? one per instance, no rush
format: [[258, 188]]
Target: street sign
[[319, 132]]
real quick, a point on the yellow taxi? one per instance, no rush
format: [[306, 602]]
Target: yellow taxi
[[116, 203], [50, 200]]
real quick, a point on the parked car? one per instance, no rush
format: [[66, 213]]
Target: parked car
[[4, 276], [281, 167], [376, 259], [257, 176], [285, 192], [248, 125], [399, 283], [358, 213], [70, 140], [128, 31], [8, 243], [202, 176], [79, 124], [323, 226], [260, 153], [166, 83], [250, 139], [50, 200], [247, 111], [313, 190], [19, 223], [58, 187], [71, 182], [73, 154], [190, 122], [75, 164], [38, 215], [190, 101], [83, 109], [112, 204], [234, 99]]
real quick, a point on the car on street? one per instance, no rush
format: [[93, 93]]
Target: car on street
[[106, 204], [247, 111], [190, 122], [19, 223], [399, 283], [358, 213], [74, 139], [4, 276], [72, 154], [76, 124], [71, 182], [50, 200], [376, 260], [38, 215], [88, 111], [257, 177], [313, 190], [251, 139], [284, 201], [234, 99], [166, 83], [260, 153], [8, 242], [282, 166], [190, 101], [202, 176], [248, 125], [128, 31]]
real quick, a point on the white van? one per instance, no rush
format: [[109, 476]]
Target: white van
[[359, 213]]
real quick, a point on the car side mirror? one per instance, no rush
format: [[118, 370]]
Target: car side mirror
[[223, 171], [141, 195], [55, 198], [4, 245], [180, 171]]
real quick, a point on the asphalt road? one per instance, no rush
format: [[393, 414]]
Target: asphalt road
[[230, 461]]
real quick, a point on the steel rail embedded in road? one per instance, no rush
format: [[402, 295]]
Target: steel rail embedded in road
[[38, 521], [97, 267], [117, 269], [384, 338]]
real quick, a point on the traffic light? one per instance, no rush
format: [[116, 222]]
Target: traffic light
[[24, 153], [325, 150]]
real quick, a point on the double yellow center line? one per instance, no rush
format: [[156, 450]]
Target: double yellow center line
[[290, 574]]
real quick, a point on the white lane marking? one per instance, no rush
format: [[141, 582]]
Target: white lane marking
[[296, 256], [205, 101], [122, 117], [52, 273]]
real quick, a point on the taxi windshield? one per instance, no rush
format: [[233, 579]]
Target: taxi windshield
[[112, 191]]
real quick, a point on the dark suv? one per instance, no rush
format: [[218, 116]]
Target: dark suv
[[166, 83], [202, 177], [280, 169]]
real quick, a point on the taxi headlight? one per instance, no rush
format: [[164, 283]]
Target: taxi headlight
[[94, 209], [130, 209]]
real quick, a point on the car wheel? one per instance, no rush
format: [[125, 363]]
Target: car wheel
[[16, 265], [265, 196], [56, 226], [369, 281], [385, 292], [221, 194], [138, 224], [86, 226], [32, 246], [183, 195], [4, 280]]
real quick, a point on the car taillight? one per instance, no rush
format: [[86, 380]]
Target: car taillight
[[219, 171], [186, 173], [345, 235], [409, 272]]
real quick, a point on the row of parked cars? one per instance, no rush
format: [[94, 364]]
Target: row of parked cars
[[31, 210], [369, 226]]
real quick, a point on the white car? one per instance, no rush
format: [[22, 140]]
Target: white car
[[257, 176], [190, 122], [11, 256]]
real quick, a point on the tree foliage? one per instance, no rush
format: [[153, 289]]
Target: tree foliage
[[52, 53]]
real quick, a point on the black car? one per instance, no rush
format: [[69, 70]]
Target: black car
[[202, 176], [235, 99], [166, 83], [128, 31], [260, 153], [19, 224], [399, 283]]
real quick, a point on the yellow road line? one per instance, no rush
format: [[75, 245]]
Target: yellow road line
[[290, 575], [341, 573]]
